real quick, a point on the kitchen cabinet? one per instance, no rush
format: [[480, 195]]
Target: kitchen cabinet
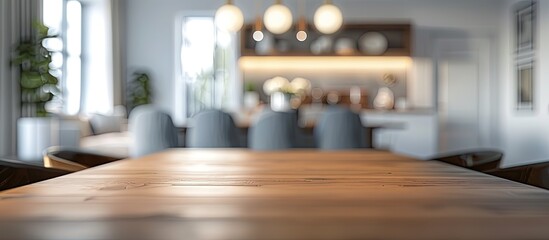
[[412, 132]]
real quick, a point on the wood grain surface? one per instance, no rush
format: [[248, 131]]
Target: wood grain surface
[[299, 194]]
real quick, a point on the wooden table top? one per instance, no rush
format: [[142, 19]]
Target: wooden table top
[[300, 194]]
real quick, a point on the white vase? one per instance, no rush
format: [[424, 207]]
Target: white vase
[[34, 135], [384, 99], [251, 100], [280, 102]]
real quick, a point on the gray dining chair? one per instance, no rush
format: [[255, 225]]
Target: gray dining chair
[[212, 129], [339, 128], [273, 131], [152, 131]]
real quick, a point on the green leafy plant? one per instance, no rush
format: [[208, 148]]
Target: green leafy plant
[[139, 90], [249, 87], [38, 85]]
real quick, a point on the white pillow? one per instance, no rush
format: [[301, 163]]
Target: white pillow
[[85, 128], [105, 124]]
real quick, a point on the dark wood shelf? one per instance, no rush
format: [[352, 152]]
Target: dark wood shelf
[[398, 38]]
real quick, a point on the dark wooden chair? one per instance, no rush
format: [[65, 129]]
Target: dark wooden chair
[[532, 174], [482, 160], [70, 159], [15, 173]]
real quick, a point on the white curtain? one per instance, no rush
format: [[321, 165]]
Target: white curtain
[[103, 56], [118, 12], [16, 18]]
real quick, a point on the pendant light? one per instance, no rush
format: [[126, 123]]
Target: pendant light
[[328, 18], [301, 34], [278, 18], [258, 34], [258, 25], [229, 17]]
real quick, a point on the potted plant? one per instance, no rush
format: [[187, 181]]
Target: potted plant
[[282, 91], [38, 86], [251, 96], [139, 90]]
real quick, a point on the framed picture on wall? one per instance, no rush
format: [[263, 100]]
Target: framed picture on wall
[[525, 85], [525, 26], [525, 53]]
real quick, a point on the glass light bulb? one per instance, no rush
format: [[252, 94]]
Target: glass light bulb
[[328, 19], [258, 36], [229, 18], [301, 36], [278, 19]]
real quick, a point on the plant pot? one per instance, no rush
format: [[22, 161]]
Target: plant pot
[[251, 100], [34, 135]]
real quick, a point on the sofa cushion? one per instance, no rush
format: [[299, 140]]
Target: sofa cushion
[[85, 127], [83, 123], [101, 124]]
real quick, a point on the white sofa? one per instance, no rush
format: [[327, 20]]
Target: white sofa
[[100, 133]]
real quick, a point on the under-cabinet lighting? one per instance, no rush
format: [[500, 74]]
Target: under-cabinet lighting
[[323, 63]]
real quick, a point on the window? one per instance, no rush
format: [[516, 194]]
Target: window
[[73, 79], [64, 18], [208, 62], [86, 58], [53, 18]]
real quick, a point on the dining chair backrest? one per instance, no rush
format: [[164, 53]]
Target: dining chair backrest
[[532, 174], [478, 160], [273, 131], [212, 129], [152, 131], [73, 159], [340, 128]]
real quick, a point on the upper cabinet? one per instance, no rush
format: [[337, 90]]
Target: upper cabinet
[[351, 40]]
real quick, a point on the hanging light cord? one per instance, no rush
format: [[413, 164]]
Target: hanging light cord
[[301, 25], [258, 24]]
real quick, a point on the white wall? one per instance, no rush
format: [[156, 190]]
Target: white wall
[[151, 33], [525, 133]]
